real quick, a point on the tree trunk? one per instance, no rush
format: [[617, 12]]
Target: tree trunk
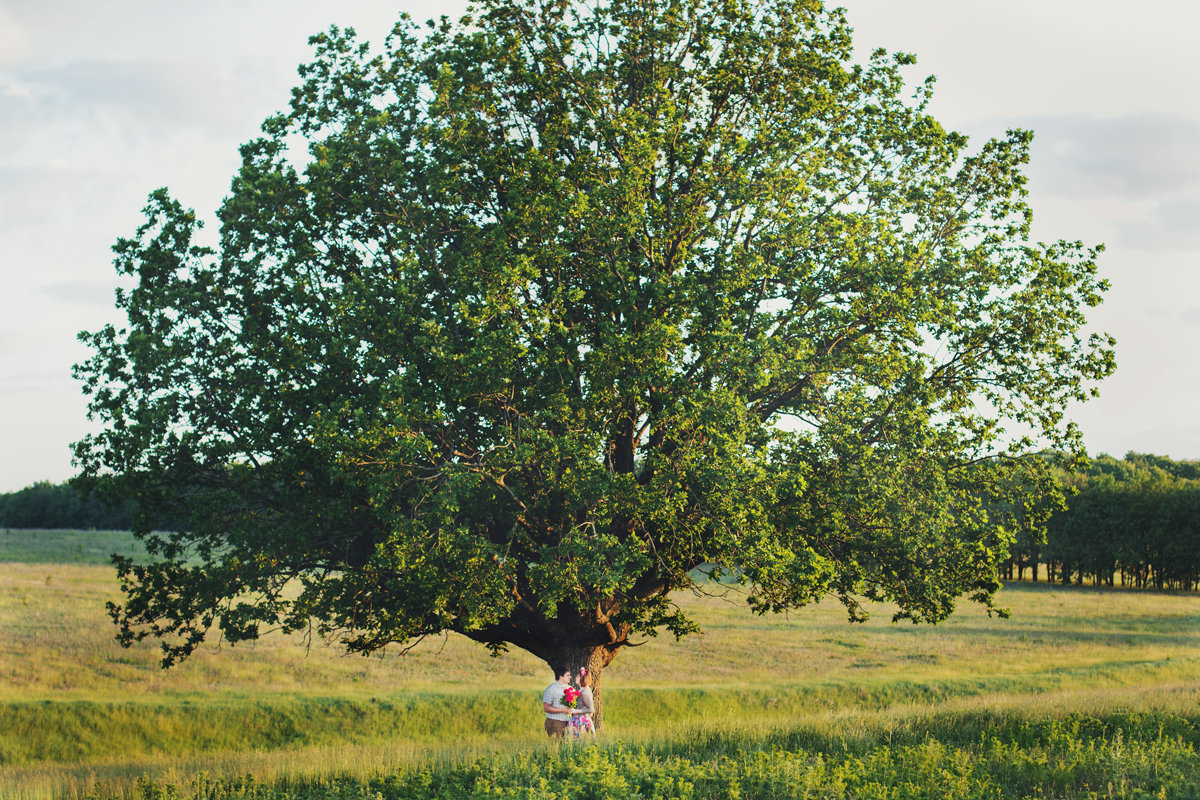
[[594, 659]]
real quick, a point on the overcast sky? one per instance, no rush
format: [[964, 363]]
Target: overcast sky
[[100, 103]]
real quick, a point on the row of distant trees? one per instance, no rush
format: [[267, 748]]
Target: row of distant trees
[[1134, 520], [59, 505]]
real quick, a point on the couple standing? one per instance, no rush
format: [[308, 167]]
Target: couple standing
[[569, 705]]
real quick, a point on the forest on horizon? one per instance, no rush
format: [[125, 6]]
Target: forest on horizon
[[1133, 521]]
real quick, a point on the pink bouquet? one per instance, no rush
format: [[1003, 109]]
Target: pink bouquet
[[570, 696]]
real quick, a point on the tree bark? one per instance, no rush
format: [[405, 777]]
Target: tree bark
[[594, 659]]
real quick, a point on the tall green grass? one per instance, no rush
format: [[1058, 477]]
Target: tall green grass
[[981, 755], [66, 547], [1063, 744]]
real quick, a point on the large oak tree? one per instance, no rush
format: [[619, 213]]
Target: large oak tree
[[516, 325]]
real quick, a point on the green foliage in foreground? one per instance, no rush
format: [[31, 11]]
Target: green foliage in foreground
[[980, 756], [90, 732]]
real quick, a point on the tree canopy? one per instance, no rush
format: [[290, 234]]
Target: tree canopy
[[517, 323]]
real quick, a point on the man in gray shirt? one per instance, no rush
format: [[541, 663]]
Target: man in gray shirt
[[557, 714]]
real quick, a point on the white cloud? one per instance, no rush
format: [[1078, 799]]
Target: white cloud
[[35, 195], [14, 40], [1027, 57], [20, 114], [25, 382], [144, 97], [1171, 225], [13, 88], [1130, 157], [1131, 181], [82, 292]]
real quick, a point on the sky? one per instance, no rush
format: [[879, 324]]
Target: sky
[[101, 103]]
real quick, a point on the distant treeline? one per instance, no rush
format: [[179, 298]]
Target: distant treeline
[[60, 505], [1136, 520]]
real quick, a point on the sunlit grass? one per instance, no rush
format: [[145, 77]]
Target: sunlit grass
[[56, 642], [658, 721]]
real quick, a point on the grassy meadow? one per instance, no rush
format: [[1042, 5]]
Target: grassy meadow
[[1083, 693]]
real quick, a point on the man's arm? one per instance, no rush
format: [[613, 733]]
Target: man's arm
[[549, 709]]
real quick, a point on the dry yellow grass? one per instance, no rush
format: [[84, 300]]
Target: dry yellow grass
[[56, 642]]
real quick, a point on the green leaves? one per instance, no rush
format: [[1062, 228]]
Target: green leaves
[[570, 300]]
